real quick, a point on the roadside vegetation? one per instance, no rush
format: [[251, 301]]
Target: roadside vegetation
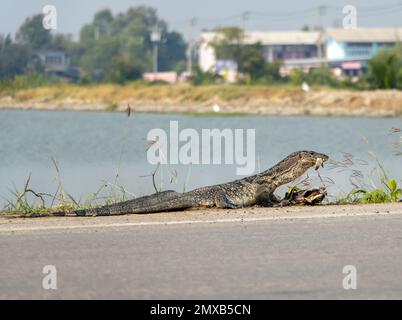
[[390, 192], [376, 187], [26, 201]]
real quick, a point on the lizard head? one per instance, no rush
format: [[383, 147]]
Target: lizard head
[[292, 167], [297, 163], [308, 159]]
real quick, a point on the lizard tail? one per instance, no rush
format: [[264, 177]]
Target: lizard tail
[[155, 203], [158, 202]]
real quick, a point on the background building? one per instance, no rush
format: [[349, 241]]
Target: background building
[[346, 49], [351, 49], [58, 63]]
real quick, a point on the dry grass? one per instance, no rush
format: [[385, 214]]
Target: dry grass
[[180, 93], [261, 99]]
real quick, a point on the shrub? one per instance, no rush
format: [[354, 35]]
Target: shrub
[[199, 77], [317, 76], [385, 69]]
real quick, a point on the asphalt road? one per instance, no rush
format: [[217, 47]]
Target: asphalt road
[[244, 259]]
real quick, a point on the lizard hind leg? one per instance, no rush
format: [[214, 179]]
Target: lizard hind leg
[[222, 201]]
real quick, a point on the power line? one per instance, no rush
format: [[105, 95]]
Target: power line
[[192, 24], [293, 15], [284, 19], [284, 14], [379, 8]]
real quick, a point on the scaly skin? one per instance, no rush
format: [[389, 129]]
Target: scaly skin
[[246, 192]]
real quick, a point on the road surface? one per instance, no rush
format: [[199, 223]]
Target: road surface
[[259, 253]]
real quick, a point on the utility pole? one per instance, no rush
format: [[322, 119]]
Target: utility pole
[[244, 17], [155, 38], [321, 12], [102, 28], [96, 36], [193, 23]]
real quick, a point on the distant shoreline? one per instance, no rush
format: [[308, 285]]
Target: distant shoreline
[[207, 100]]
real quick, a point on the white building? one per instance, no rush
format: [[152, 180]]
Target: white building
[[54, 60], [58, 63], [281, 45], [351, 49], [347, 49]]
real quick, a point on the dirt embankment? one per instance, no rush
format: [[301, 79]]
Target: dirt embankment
[[268, 100]]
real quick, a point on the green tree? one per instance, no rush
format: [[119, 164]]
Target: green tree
[[110, 42], [172, 52], [14, 58], [113, 48], [251, 61], [305, 28], [123, 70], [32, 33], [385, 69], [228, 43], [20, 57]]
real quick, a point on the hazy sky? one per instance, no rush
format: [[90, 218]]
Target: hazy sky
[[265, 14]]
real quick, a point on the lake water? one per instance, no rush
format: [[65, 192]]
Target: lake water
[[92, 147]]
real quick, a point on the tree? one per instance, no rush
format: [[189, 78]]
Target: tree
[[14, 58], [19, 56], [32, 33], [98, 58], [123, 70], [385, 69], [113, 48], [228, 42], [251, 61], [124, 40], [305, 28], [172, 52], [272, 71]]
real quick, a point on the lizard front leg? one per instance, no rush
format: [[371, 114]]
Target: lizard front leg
[[265, 197]]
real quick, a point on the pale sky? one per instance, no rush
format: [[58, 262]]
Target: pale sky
[[265, 14]]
